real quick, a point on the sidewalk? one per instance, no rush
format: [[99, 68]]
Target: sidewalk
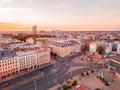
[[115, 84]]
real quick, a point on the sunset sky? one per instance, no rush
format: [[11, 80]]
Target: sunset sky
[[60, 14]]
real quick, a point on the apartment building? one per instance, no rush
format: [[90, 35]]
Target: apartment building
[[65, 48], [11, 63], [43, 56], [26, 60], [8, 64]]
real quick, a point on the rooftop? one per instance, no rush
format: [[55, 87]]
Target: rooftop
[[82, 87], [6, 54], [65, 44]]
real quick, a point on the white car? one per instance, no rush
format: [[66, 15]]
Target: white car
[[6, 84], [100, 62], [67, 65]]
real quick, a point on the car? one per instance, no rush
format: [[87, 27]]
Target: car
[[67, 65], [82, 58], [107, 59], [100, 62], [6, 84], [107, 84]]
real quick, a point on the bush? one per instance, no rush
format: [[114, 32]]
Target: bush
[[102, 79], [69, 85], [92, 71], [87, 73], [74, 82], [68, 82], [97, 89], [82, 74], [65, 87]]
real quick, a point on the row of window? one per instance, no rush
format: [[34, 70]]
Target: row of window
[[6, 64], [8, 71], [4, 68], [27, 64], [8, 60]]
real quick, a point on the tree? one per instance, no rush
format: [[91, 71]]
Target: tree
[[65, 87], [87, 73], [74, 82], [101, 50], [82, 74], [97, 89], [55, 55], [92, 71]]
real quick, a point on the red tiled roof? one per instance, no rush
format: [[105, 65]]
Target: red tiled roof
[[82, 87]]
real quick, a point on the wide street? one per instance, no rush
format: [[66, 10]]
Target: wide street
[[53, 74]]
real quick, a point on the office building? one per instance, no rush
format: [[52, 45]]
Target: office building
[[34, 29]]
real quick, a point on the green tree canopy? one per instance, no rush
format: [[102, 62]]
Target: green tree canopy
[[101, 50]]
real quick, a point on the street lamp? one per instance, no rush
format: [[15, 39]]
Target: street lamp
[[55, 78], [40, 71], [71, 68], [55, 75], [35, 85]]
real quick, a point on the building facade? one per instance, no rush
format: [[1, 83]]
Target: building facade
[[114, 65], [23, 60], [34, 29], [43, 56], [26, 60], [116, 47], [65, 49], [8, 66]]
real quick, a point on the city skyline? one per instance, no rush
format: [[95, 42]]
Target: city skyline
[[60, 14]]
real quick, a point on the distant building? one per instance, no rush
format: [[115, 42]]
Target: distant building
[[30, 41], [34, 29]]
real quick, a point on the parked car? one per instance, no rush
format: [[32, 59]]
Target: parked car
[[6, 84]]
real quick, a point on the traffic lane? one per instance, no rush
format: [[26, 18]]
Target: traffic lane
[[49, 82], [41, 80], [46, 78], [23, 77]]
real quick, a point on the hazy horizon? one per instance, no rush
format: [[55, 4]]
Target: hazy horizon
[[60, 14]]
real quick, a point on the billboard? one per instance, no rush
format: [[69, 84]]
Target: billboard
[[93, 47]]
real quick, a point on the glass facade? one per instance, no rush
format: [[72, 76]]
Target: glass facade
[[117, 67], [115, 47]]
